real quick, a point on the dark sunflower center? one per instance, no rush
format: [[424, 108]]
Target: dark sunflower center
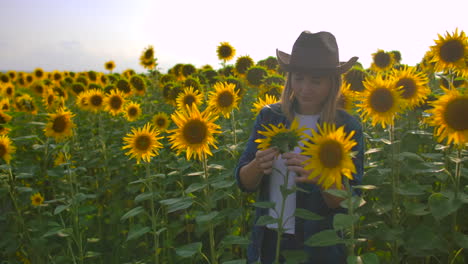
[[50, 99], [37, 200], [39, 89], [132, 111], [2, 120], [3, 150], [161, 122], [116, 102], [330, 154], [189, 100], [57, 77], [39, 74], [382, 59], [195, 132], [9, 91], [225, 99], [355, 79], [149, 54], [77, 88], [452, 51], [96, 100], [225, 51], [4, 78], [143, 142], [455, 114], [60, 124], [109, 66], [5, 107], [408, 86], [381, 100]]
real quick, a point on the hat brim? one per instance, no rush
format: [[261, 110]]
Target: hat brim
[[284, 59]]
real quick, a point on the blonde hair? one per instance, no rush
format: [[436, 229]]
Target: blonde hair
[[330, 103]]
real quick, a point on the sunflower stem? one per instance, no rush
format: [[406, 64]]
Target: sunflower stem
[[153, 214], [395, 185], [280, 219], [208, 200], [351, 246], [458, 167], [233, 123]]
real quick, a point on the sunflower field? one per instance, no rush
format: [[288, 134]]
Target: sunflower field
[[107, 167]]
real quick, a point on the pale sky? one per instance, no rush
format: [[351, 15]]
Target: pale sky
[[81, 35]]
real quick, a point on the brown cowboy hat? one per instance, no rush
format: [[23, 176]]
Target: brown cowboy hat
[[315, 53]]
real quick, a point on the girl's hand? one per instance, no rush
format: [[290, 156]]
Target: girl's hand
[[295, 162], [265, 158]]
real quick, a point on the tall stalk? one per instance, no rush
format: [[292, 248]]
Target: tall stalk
[[280, 219], [149, 183], [213, 259], [395, 184]]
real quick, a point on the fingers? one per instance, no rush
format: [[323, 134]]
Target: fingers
[[265, 159]]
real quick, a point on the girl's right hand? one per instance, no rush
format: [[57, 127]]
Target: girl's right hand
[[265, 158]]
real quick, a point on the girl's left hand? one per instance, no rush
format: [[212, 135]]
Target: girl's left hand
[[295, 162]]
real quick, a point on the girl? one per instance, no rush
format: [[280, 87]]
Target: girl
[[311, 95]]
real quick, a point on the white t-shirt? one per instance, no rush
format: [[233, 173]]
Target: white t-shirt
[[277, 179]]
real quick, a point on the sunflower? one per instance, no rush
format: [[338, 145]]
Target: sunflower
[[49, 99], [271, 63], [187, 98], [138, 84], [355, 78], [450, 51], [114, 102], [413, 85], [4, 104], [12, 75], [382, 61], [193, 82], [77, 88], [110, 66], [61, 158], [4, 78], [37, 199], [243, 63], [187, 70], [132, 111], [280, 137], [38, 88], [95, 100], [57, 76], [449, 117], [161, 121], [225, 51], [39, 74], [60, 125], [224, 99], [25, 103], [82, 101], [4, 118], [103, 80], [4, 130], [147, 59], [6, 148], [255, 75], [195, 132], [274, 90], [346, 98], [92, 76], [330, 155], [124, 86], [29, 79], [380, 101], [143, 143], [257, 106]]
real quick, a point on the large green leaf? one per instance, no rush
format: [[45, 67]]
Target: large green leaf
[[265, 220], [235, 240], [195, 187], [176, 204], [137, 232], [206, 217], [187, 251], [264, 204], [442, 206], [324, 238], [342, 221], [306, 214], [461, 239], [133, 212]]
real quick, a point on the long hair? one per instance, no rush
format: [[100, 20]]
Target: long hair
[[329, 105]]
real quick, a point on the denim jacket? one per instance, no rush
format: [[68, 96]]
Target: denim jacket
[[311, 200]]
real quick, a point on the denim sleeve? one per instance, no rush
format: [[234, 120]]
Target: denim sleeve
[[249, 153]]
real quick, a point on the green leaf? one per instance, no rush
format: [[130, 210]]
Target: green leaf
[[24, 189], [372, 150], [195, 187], [92, 254], [134, 234], [365, 187], [176, 204], [235, 240], [414, 208], [442, 206], [207, 217], [237, 261], [356, 202], [461, 240], [306, 214], [265, 220], [60, 209], [409, 155], [144, 196], [222, 184], [133, 212], [264, 204], [324, 238], [370, 258], [411, 189], [65, 232], [187, 251], [294, 256], [342, 221], [423, 237], [52, 232], [338, 193]]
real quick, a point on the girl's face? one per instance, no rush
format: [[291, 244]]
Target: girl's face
[[309, 91]]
